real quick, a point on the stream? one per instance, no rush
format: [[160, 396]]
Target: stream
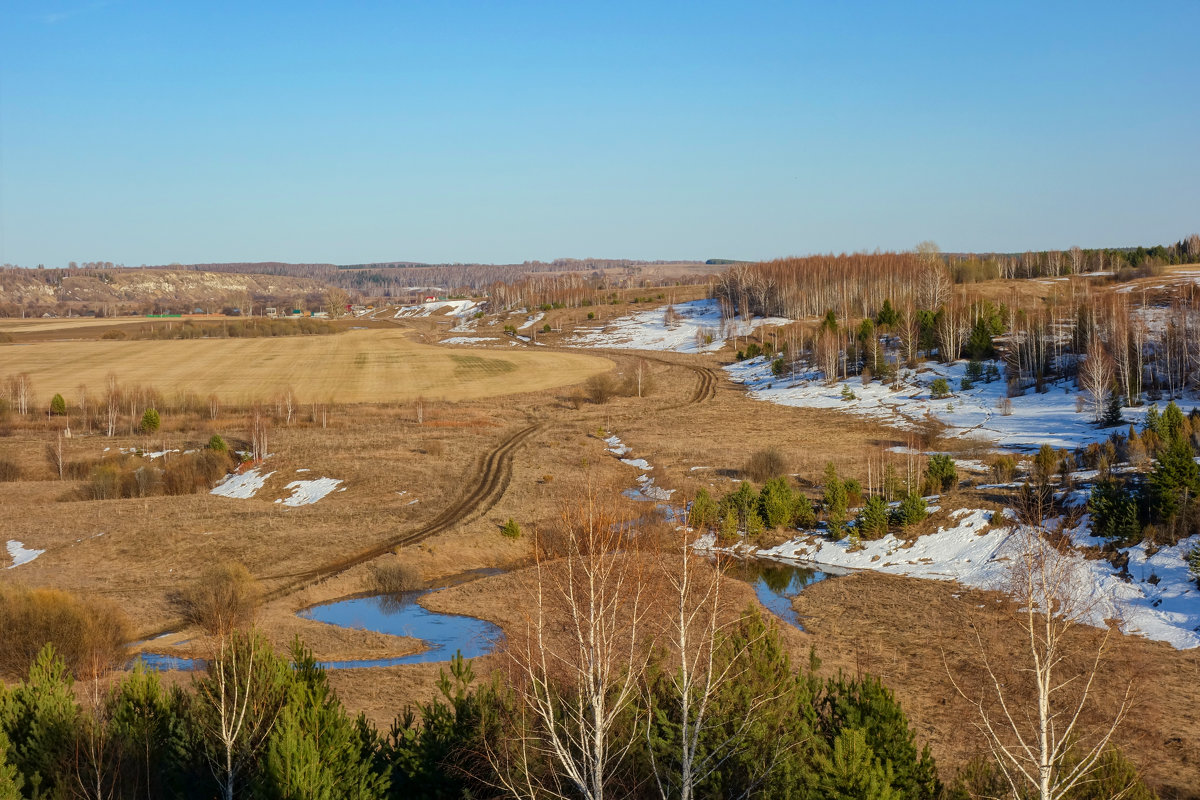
[[776, 583]]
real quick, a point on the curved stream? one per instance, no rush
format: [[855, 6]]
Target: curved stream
[[776, 583]]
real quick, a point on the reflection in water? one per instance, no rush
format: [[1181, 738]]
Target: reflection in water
[[396, 614], [401, 615], [776, 583]]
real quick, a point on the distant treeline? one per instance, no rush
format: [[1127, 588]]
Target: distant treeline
[[400, 278]]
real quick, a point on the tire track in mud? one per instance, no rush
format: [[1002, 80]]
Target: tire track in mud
[[487, 485]]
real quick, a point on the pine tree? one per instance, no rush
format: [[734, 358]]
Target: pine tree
[[58, 406], [873, 521], [1112, 412], [852, 772], [703, 512], [887, 315], [835, 500], [150, 421], [1114, 512], [41, 720], [867, 706], [314, 751], [777, 503], [1176, 477], [10, 779], [911, 510], [153, 733], [1173, 422]]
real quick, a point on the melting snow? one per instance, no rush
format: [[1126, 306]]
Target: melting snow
[[21, 554], [529, 323], [308, 492], [469, 339], [1036, 419], [243, 486], [975, 554], [649, 330]]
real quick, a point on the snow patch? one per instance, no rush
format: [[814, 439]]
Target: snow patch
[[308, 492], [21, 554], [649, 330], [243, 486]]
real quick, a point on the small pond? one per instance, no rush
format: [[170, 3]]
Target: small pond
[[776, 583], [402, 615]]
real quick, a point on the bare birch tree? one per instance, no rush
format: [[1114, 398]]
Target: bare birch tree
[[1041, 712], [240, 699], [695, 634], [1096, 375], [580, 662]]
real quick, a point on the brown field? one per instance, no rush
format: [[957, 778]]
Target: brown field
[[358, 366], [504, 444], [39, 325]]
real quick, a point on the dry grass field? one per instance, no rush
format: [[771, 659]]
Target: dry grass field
[[517, 431], [357, 366]]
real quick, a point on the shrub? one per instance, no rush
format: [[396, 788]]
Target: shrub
[[223, 599], [1114, 512], [940, 473], [90, 635], [764, 465], [395, 577], [113, 334], [58, 406], [939, 388], [703, 512], [546, 328], [511, 529], [911, 510], [778, 367], [591, 315], [195, 472], [217, 444], [600, 388], [873, 520], [777, 504], [847, 393], [1004, 468], [150, 421]]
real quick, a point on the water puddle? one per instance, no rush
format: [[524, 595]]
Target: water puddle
[[394, 614], [777, 583], [402, 615]]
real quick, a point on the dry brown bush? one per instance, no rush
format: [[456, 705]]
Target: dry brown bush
[[600, 388], [223, 599], [765, 464], [91, 636], [195, 472], [394, 577]]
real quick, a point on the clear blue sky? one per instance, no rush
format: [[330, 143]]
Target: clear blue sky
[[151, 132]]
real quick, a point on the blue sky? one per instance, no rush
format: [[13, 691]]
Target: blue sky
[[502, 131]]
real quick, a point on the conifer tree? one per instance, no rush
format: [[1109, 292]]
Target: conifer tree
[[703, 512], [873, 521], [776, 503], [835, 500], [852, 772], [314, 750], [10, 779], [41, 719], [1175, 479]]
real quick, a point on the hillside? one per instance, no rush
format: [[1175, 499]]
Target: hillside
[[121, 291]]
